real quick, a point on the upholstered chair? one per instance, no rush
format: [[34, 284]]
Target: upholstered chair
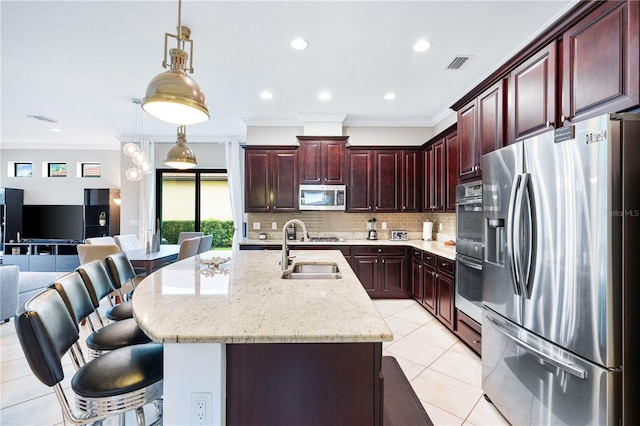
[[189, 248], [184, 235], [127, 242], [205, 243]]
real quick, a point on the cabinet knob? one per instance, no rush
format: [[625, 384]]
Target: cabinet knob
[[549, 123], [563, 118], [379, 250], [476, 342], [419, 266]]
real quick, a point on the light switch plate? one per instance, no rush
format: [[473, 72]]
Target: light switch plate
[[256, 225]]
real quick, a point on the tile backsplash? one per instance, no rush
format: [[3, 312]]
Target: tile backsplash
[[352, 225]]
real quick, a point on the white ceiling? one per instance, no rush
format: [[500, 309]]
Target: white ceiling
[[81, 62]]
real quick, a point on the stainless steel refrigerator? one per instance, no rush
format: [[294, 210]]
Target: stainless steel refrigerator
[[561, 275]]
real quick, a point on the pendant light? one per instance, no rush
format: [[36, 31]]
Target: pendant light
[[133, 149], [173, 96], [180, 155]]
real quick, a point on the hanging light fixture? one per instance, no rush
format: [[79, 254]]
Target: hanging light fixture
[[180, 155], [141, 164], [173, 96]]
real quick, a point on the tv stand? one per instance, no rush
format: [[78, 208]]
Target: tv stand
[[42, 255]]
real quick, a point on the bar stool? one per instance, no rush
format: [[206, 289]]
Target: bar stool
[[121, 273], [99, 286], [122, 380], [76, 297]]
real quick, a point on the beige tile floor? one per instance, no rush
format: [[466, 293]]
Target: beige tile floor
[[443, 371]]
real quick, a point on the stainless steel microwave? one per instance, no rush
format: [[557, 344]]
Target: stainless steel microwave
[[322, 197]]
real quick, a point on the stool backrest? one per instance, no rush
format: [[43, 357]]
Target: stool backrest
[[46, 332], [97, 281], [188, 248], [75, 295], [205, 243], [119, 269]]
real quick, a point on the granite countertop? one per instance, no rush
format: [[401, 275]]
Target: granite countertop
[[247, 301], [434, 247]]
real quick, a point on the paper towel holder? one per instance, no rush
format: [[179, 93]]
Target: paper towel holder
[[427, 231]]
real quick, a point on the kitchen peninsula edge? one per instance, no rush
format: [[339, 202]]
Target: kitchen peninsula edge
[[244, 332]]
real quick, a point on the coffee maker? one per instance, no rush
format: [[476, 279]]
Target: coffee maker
[[372, 234]]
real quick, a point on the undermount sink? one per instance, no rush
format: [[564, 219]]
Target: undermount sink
[[313, 271]]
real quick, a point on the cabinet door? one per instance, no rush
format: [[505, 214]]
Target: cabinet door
[[429, 282], [428, 196], [359, 192], [532, 94], [333, 155], [257, 176], [451, 156], [439, 177], [311, 162], [365, 268], [386, 182], [600, 62], [393, 276], [416, 280], [284, 189], [490, 121], [468, 165], [410, 181], [445, 299]]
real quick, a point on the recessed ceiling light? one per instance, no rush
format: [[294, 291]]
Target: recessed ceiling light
[[390, 96], [324, 96], [421, 46], [266, 95], [55, 130], [299, 44]]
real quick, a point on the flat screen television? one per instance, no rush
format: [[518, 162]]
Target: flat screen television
[[52, 222]]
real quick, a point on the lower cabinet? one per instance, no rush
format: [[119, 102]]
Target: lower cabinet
[[469, 331], [381, 270], [432, 285], [45, 257]]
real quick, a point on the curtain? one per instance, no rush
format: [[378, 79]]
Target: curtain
[[147, 197], [235, 179]]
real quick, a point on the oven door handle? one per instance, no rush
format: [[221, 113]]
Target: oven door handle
[[475, 265]]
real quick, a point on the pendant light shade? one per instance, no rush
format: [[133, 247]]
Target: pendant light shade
[[173, 96], [180, 155]]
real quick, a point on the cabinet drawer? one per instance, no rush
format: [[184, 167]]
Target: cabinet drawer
[[446, 265], [374, 250], [469, 331], [346, 250], [430, 259], [416, 254]]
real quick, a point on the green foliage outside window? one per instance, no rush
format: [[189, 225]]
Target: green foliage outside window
[[222, 230]]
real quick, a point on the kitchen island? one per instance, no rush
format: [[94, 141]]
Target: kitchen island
[[282, 351]]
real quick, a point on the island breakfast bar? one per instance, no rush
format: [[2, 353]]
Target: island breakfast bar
[[258, 348]]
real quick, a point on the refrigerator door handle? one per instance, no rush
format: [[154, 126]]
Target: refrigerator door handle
[[510, 235], [565, 366], [527, 201]]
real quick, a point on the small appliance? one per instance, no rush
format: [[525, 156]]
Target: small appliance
[[291, 232], [371, 227], [322, 197]]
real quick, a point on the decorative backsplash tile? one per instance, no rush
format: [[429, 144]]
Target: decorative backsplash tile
[[353, 225]]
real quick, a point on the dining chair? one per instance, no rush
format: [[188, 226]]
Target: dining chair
[[75, 295], [122, 380], [184, 235], [127, 242], [90, 252], [189, 248], [99, 240], [205, 243]]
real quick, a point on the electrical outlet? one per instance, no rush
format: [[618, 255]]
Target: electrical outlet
[[440, 227], [256, 225], [201, 408], [384, 225], [274, 225]]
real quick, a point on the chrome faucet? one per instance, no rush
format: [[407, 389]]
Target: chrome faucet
[[284, 261]]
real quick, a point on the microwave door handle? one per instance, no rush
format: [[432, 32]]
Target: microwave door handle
[[510, 237]]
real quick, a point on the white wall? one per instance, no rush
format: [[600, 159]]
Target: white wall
[[40, 189]]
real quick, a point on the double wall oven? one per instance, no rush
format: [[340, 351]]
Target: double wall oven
[[469, 249]]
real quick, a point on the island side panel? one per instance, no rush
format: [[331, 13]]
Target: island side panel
[[304, 383]]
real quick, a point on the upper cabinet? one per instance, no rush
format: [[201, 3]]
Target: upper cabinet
[[271, 179], [322, 160], [410, 182], [440, 172], [386, 181], [101, 212], [480, 130], [600, 62]]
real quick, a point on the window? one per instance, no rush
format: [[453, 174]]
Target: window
[[194, 200]]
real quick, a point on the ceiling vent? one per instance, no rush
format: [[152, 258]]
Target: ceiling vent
[[42, 118], [457, 62]]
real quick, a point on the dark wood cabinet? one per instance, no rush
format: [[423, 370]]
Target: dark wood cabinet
[[433, 285], [386, 181], [480, 130], [359, 180], [451, 157], [445, 295], [417, 290], [600, 62], [434, 192], [381, 270], [411, 176], [96, 202], [322, 160], [532, 94], [469, 331], [271, 180]]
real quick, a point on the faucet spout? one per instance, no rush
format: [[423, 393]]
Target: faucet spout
[[284, 260]]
